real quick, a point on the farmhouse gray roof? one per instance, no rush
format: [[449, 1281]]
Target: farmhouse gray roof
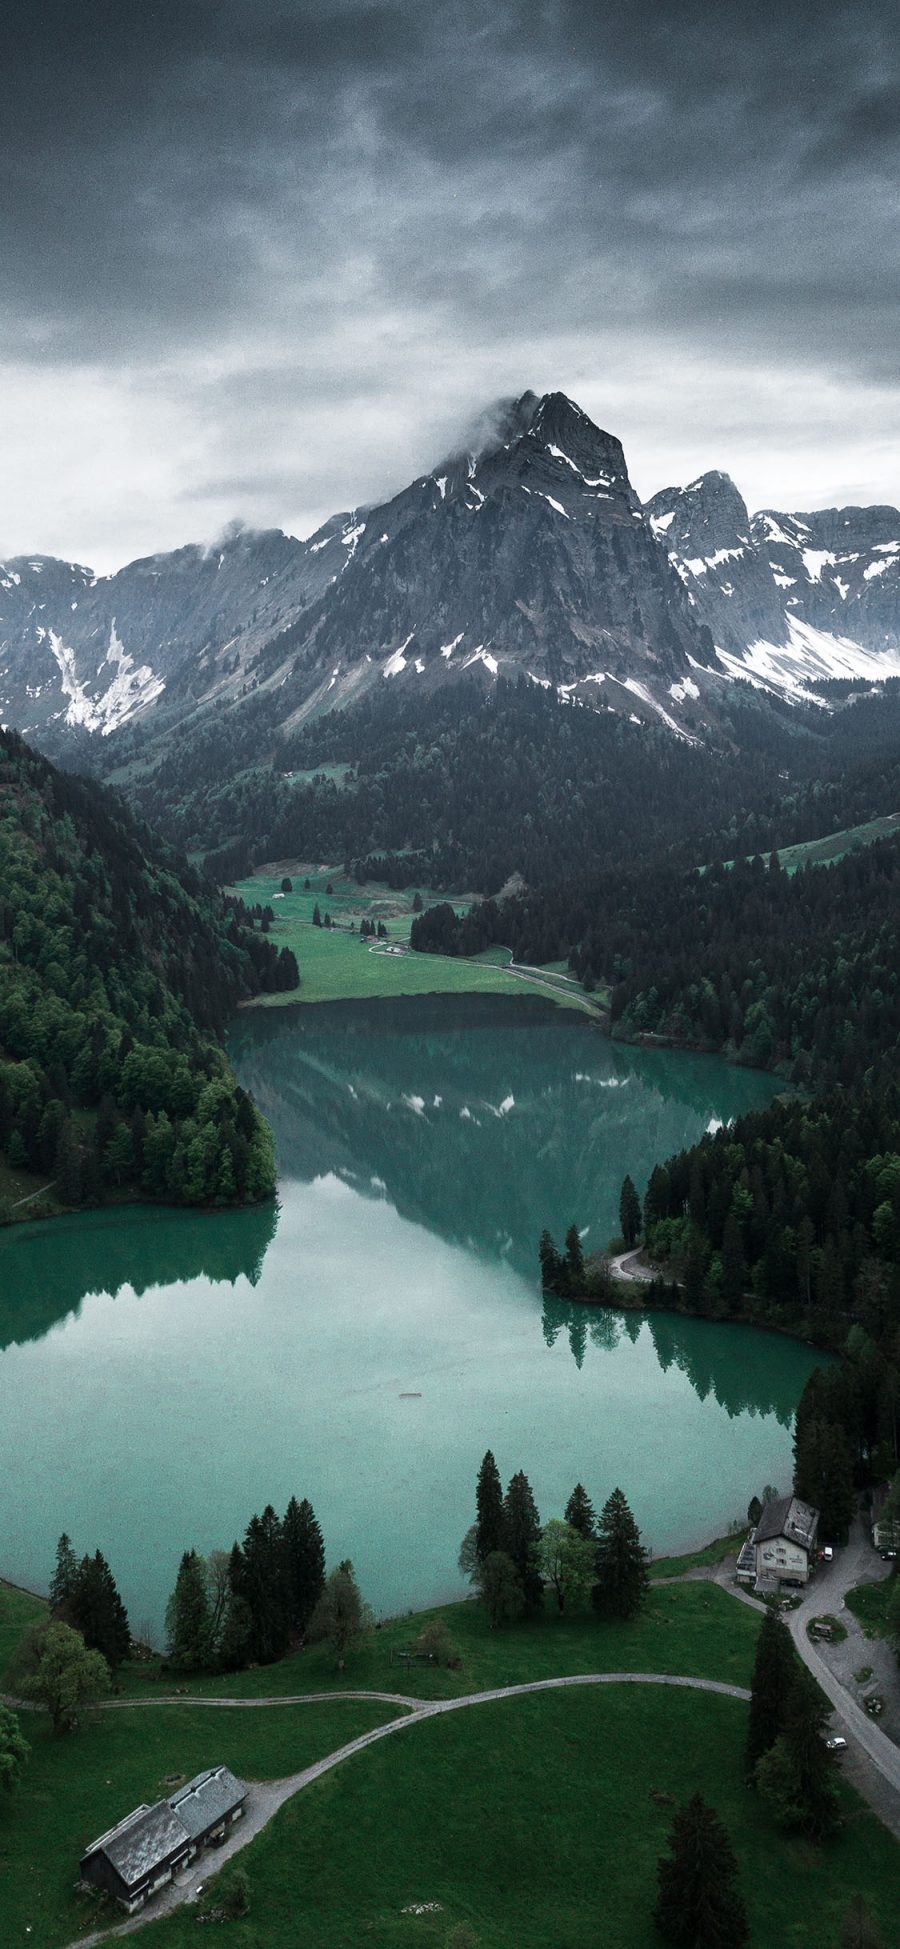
[[142, 1842], [788, 1517], [207, 1799]]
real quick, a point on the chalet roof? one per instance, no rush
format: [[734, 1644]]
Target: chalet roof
[[206, 1799], [787, 1516], [142, 1842]]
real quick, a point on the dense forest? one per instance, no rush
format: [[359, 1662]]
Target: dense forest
[[478, 786], [790, 972], [119, 966]]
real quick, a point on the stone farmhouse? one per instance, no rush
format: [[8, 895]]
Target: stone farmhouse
[[148, 1848]]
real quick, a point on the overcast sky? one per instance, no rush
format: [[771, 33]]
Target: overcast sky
[[267, 258]]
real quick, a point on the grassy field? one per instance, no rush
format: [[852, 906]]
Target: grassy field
[[869, 1603], [531, 1821], [693, 1628], [76, 1787], [336, 966], [834, 845], [712, 1553]]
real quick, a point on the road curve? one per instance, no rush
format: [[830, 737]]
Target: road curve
[[268, 1796]]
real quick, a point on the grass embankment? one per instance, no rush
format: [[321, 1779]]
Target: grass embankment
[[712, 1553], [869, 1602], [533, 1821], [835, 845], [692, 1628], [336, 965]]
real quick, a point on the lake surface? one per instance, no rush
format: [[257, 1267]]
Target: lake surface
[[165, 1374]]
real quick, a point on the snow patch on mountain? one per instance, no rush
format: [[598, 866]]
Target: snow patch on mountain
[[810, 655]]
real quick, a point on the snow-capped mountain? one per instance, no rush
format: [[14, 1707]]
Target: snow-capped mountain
[[531, 555], [789, 598]]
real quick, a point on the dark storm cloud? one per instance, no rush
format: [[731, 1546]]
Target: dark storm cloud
[[255, 210]]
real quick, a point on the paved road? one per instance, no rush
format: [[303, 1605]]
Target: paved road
[[853, 1565], [872, 1760], [268, 1796], [627, 1267]]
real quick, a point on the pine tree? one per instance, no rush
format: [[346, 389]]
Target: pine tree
[[98, 1611], [304, 1562], [263, 1586], [522, 1537], [774, 1670], [580, 1514], [551, 1264], [699, 1904], [621, 1561], [734, 1268], [65, 1575], [188, 1621], [340, 1615], [629, 1212], [574, 1261], [489, 1509], [858, 1930], [795, 1776], [237, 1620]]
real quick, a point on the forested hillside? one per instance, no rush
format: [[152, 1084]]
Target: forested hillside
[[119, 967], [486, 784]]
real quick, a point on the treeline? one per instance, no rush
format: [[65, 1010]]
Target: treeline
[[249, 1604], [119, 968], [795, 972], [511, 1558]]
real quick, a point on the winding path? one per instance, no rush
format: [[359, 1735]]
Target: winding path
[[268, 1796]]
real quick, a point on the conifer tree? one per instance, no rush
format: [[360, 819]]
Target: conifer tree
[[795, 1776], [621, 1561], [574, 1261], [551, 1264], [98, 1611], [188, 1620], [858, 1930], [580, 1514], [522, 1537], [340, 1615], [629, 1212], [699, 1905], [774, 1671], [65, 1575], [489, 1509], [263, 1586], [237, 1620], [304, 1562]]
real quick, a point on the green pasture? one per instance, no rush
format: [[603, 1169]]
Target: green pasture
[[336, 965], [536, 1823]]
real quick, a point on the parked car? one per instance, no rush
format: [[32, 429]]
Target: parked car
[[837, 1744]]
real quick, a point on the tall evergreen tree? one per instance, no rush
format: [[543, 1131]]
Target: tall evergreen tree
[[551, 1264], [629, 1212], [263, 1586], [795, 1777], [580, 1514], [340, 1615], [237, 1618], [522, 1537], [774, 1671], [65, 1575], [621, 1561], [304, 1562], [858, 1929], [489, 1509], [574, 1261], [98, 1611], [699, 1904], [188, 1620]]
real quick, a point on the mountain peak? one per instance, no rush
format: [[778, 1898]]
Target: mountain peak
[[709, 514]]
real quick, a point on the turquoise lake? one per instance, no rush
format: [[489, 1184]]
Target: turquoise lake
[[362, 1342]]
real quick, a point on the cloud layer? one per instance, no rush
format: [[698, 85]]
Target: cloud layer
[[265, 257]]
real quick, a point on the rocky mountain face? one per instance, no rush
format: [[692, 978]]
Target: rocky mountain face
[[530, 555], [788, 598]]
